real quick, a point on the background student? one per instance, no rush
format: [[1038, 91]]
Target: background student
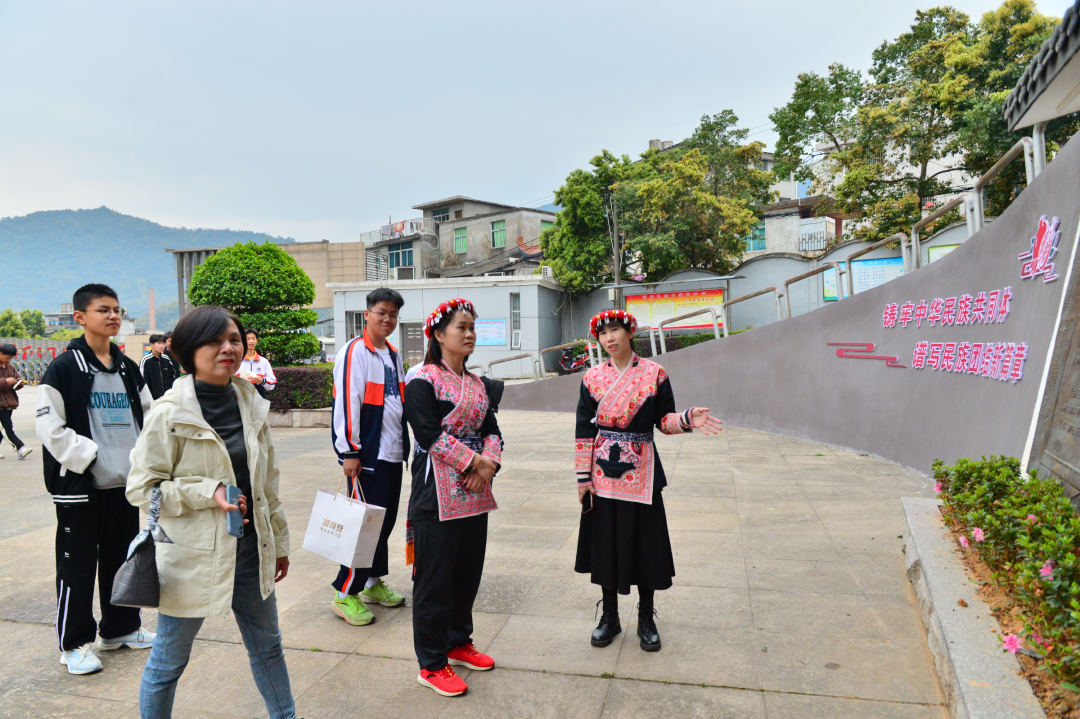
[[10, 382], [370, 438], [158, 370], [90, 411], [254, 367]]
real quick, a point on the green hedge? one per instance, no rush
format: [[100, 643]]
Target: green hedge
[[302, 387], [1028, 534]]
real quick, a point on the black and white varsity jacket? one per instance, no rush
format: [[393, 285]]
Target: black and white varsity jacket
[[63, 418]]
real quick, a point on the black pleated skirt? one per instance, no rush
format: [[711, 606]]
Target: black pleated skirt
[[626, 543]]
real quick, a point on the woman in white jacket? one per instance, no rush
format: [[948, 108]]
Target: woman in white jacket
[[208, 432]]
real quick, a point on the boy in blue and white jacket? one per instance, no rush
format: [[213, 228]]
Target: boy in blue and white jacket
[[371, 439]]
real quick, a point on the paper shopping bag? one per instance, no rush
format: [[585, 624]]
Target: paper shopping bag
[[344, 530]]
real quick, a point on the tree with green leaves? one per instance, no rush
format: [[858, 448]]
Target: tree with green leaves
[[984, 69], [822, 110], [34, 322], [268, 291], [682, 219], [11, 325], [689, 206], [932, 106], [578, 245]]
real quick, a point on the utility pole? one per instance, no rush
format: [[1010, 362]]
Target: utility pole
[[616, 259]]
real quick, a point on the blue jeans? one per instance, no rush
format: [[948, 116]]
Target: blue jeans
[[258, 623]]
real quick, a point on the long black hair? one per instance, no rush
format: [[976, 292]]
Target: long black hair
[[434, 349], [200, 327]]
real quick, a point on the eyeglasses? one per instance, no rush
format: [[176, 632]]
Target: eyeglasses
[[383, 316], [110, 311]]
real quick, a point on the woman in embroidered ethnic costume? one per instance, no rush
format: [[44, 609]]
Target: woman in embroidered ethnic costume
[[458, 451], [623, 539]]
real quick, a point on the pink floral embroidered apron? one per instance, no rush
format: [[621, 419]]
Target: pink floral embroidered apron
[[624, 463], [463, 423]]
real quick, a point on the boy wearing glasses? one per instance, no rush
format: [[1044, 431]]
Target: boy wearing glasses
[[90, 411], [370, 437]]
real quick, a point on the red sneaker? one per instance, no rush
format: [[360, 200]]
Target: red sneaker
[[445, 681], [467, 656]]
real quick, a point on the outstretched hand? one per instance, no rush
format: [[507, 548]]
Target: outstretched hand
[[701, 419]]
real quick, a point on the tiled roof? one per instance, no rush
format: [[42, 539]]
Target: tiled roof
[[1055, 54]]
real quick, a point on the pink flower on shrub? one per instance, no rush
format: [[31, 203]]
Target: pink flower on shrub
[[1031, 518], [1046, 571], [978, 534], [963, 541], [1012, 643], [937, 488]]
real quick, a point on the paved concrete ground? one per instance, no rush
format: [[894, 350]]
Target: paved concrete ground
[[790, 599]]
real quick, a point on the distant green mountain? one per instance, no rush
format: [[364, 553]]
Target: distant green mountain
[[45, 256]]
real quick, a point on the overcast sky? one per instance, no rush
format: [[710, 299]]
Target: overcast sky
[[321, 120]]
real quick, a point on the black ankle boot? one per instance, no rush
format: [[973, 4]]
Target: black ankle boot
[[609, 626], [646, 627]]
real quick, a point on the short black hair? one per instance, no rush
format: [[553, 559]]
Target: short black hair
[[251, 331], [88, 293], [167, 335], [154, 339], [384, 294], [200, 327], [8, 350]]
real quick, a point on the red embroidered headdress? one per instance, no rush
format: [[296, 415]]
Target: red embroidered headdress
[[445, 309], [612, 317]]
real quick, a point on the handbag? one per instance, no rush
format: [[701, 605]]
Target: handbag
[[346, 532], [136, 582]]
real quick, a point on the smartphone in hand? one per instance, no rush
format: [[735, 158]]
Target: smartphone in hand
[[235, 520]]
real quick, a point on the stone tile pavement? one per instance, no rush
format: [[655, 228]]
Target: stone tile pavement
[[790, 599]]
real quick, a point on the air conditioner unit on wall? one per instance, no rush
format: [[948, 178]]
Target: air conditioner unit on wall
[[547, 273], [403, 273]]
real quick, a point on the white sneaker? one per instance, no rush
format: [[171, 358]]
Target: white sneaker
[[1, 456], [140, 639], [81, 660], [24, 451]]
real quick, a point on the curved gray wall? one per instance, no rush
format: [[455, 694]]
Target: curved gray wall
[[784, 378]]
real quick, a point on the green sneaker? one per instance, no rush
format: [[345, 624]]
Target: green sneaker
[[352, 610], [381, 594]]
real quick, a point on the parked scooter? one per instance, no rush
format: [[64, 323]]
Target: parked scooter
[[570, 364]]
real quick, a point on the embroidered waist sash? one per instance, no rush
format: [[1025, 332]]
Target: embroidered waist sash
[[455, 501], [623, 465]]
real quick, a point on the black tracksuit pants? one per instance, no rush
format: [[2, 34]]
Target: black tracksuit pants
[[383, 489], [9, 430], [446, 577], [92, 539]]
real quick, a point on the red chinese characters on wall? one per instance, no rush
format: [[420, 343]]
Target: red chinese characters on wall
[[983, 308], [1002, 361]]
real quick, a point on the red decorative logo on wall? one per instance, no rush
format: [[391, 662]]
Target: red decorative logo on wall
[[849, 351], [1044, 246]]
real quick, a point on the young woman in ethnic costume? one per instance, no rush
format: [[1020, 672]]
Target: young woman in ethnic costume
[[458, 451], [623, 538]]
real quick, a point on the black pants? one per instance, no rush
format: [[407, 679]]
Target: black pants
[[383, 489], [5, 422], [449, 565], [91, 539]]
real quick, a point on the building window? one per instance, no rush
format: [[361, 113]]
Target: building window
[[515, 320], [457, 214], [461, 240], [498, 233], [401, 255], [354, 324], [442, 214], [544, 224], [756, 241]]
